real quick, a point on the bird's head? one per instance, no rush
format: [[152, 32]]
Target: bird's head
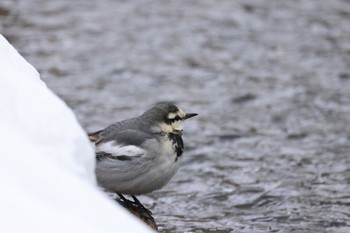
[[167, 118]]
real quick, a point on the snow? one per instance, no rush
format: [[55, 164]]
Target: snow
[[47, 163]]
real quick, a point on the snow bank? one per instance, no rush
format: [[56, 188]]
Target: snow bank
[[46, 162]]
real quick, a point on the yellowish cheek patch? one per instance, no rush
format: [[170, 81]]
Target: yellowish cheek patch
[[166, 128], [178, 125]]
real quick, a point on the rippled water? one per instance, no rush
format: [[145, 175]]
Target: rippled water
[[270, 149]]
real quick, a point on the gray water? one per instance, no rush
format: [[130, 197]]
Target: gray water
[[270, 149]]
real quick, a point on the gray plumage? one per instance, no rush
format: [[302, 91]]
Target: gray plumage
[[139, 155]]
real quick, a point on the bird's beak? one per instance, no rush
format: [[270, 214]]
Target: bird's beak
[[189, 115]]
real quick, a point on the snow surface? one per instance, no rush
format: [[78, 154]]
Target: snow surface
[[47, 163]]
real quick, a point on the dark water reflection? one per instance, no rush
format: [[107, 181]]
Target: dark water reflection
[[269, 151]]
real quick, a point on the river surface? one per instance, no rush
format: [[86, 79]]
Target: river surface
[[270, 149]]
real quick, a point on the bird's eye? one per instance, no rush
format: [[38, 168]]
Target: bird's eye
[[177, 118]]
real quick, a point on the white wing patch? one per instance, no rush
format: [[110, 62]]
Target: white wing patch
[[120, 150]]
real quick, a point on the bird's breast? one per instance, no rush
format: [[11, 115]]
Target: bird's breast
[[177, 144]]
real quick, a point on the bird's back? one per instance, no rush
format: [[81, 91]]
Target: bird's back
[[110, 132]]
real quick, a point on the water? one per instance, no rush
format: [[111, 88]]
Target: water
[[269, 151]]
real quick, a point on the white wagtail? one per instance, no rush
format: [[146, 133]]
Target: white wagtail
[[140, 155]]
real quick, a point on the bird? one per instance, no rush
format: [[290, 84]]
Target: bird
[[139, 155]]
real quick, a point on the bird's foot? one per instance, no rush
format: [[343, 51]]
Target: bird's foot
[[139, 210], [139, 204]]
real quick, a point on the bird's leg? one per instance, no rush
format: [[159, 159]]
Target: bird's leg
[[124, 200], [122, 197], [137, 202]]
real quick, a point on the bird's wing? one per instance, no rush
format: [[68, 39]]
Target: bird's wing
[[124, 145], [122, 152]]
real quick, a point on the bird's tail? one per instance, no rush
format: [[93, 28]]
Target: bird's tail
[[95, 136]]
